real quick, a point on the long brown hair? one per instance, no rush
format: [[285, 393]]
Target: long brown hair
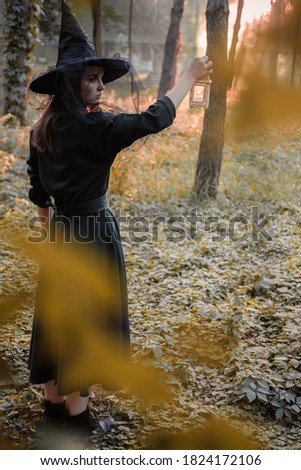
[[42, 130], [67, 100]]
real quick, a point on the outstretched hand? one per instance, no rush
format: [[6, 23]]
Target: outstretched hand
[[200, 67]]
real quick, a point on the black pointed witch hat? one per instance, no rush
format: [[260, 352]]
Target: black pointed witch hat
[[74, 50]]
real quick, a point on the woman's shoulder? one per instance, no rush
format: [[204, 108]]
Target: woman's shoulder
[[96, 117], [76, 122]]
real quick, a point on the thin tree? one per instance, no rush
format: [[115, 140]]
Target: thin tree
[[275, 21], [130, 43], [232, 52], [212, 140], [96, 15], [297, 11], [50, 20], [172, 47]]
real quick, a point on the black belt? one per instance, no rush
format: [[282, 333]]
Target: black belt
[[94, 205]]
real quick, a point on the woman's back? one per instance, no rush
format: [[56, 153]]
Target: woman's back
[[83, 151]]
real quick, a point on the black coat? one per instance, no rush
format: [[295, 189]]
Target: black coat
[[78, 170]]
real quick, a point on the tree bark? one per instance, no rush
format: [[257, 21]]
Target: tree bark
[[172, 47], [212, 140], [17, 52], [1, 55], [96, 14], [232, 53]]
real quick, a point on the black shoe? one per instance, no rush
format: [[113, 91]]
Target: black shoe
[[86, 423], [55, 413]]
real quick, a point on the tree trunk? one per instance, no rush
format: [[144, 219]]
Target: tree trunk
[[297, 12], [232, 53], [212, 140], [130, 46], [172, 47], [20, 30], [199, 7], [96, 14], [275, 20], [1, 56]]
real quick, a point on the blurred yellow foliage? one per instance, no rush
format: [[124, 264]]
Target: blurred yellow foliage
[[263, 103], [75, 299], [217, 434]]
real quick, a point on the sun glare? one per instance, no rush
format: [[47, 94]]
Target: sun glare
[[253, 9]]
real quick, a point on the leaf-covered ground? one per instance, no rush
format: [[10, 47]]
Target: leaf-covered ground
[[214, 305]]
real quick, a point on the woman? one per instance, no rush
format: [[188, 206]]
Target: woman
[[72, 148]]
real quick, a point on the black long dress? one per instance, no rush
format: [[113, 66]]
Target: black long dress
[[75, 172]]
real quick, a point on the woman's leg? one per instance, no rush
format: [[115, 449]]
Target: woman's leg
[[80, 417], [54, 405], [50, 392], [76, 404]]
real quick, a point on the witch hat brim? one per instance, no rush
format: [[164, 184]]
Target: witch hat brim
[[75, 50], [114, 68]]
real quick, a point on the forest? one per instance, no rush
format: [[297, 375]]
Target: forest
[[209, 216]]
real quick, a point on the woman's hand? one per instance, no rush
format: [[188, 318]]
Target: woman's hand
[[45, 215], [199, 67]]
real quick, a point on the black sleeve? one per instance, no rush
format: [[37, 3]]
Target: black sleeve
[[37, 193], [127, 128]]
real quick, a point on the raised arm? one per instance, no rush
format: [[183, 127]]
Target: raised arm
[[126, 128], [197, 68]]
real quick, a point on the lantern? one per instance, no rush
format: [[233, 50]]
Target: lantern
[[200, 93]]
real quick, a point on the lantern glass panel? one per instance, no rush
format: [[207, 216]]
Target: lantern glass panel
[[198, 93]]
